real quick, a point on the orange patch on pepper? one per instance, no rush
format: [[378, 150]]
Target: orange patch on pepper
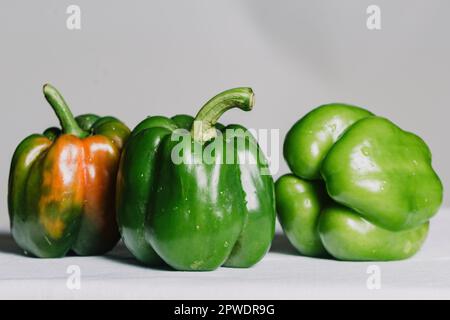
[[62, 184]]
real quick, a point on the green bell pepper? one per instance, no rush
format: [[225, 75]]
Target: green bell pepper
[[361, 188], [191, 213], [299, 203]]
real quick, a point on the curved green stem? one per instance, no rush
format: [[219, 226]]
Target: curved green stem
[[203, 127], [65, 116]]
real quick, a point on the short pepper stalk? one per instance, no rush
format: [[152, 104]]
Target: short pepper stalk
[[361, 188], [62, 184], [190, 213]]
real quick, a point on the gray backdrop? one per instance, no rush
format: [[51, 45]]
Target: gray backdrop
[[137, 58]]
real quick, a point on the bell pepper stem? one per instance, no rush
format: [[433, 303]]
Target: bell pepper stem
[[203, 127], [65, 116]]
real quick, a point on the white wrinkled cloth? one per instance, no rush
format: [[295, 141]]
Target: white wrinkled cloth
[[280, 275]]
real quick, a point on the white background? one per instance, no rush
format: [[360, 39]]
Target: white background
[[137, 58], [282, 274]]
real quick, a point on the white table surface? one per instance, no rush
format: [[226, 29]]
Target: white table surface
[[282, 274]]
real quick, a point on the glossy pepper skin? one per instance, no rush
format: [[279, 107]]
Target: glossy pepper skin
[[361, 188], [299, 203], [62, 185], [191, 213]]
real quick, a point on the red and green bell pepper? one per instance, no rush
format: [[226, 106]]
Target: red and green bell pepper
[[62, 184]]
